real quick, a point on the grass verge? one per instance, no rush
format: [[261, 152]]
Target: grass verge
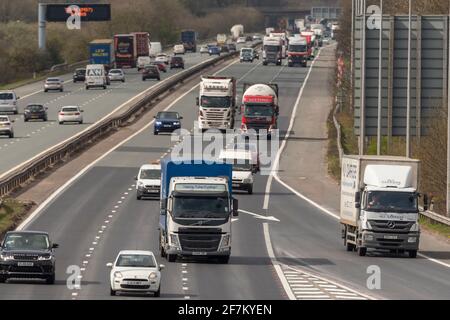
[[12, 213], [437, 228]]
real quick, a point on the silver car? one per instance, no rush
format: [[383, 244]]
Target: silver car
[[70, 114], [6, 127], [53, 84], [116, 75], [8, 102]]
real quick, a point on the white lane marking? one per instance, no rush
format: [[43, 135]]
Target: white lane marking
[[40, 91], [271, 218], [61, 189], [288, 133], [275, 263], [434, 260]]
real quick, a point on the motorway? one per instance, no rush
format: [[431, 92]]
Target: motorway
[[298, 254]]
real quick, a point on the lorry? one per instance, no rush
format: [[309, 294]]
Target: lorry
[[142, 40], [318, 30], [189, 40], [310, 39], [237, 31], [217, 103], [221, 39], [125, 50], [101, 51], [284, 41], [197, 206], [379, 204], [299, 25], [272, 51], [260, 109], [298, 52], [269, 30]]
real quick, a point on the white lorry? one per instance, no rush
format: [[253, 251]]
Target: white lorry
[[284, 41], [237, 31], [221, 39], [272, 51], [379, 204], [217, 103]]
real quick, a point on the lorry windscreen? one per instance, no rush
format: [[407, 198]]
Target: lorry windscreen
[[216, 102], [258, 111], [198, 207], [298, 48], [386, 201], [272, 48]]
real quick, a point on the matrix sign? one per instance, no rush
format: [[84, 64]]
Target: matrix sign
[[88, 12]]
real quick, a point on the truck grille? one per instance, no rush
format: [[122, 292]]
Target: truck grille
[[391, 226], [202, 240], [211, 115], [258, 126]]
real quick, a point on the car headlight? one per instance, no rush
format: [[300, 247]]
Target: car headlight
[[415, 227], [176, 123], [174, 240], [118, 274], [152, 276], [45, 257], [140, 184], [6, 257], [158, 123], [248, 180]]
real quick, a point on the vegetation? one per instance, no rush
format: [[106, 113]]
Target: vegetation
[[163, 19], [11, 213]]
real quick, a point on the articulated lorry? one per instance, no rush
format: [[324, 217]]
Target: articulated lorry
[[272, 51], [298, 52], [284, 41], [125, 49], [260, 109], [197, 206], [379, 204], [311, 40], [237, 31], [189, 40], [217, 103], [142, 44], [101, 51]]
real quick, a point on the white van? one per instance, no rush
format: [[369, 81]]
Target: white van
[[95, 76], [178, 49], [155, 49], [8, 102], [142, 62]]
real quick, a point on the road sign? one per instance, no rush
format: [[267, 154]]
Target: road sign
[[88, 12]]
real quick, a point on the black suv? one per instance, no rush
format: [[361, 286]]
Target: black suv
[[151, 72], [79, 75], [176, 62], [35, 111], [27, 254]]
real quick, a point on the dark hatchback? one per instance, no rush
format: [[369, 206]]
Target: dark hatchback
[[176, 62], [167, 122], [35, 112], [151, 72], [27, 255], [79, 75]]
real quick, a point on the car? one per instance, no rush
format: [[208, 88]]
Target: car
[[6, 127], [224, 49], [70, 114], [148, 181], [204, 49], [214, 50], [167, 121], [243, 169], [151, 72], [35, 112], [257, 37], [79, 75], [116, 75], [135, 271], [8, 102], [161, 65], [179, 49], [53, 84], [27, 254], [176, 62], [248, 39], [162, 57], [142, 62], [241, 40], [247, 55], [232, 47]]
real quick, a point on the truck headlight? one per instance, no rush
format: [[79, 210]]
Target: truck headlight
[[415, 227], [225, 241], [174, 240], [6, 257]]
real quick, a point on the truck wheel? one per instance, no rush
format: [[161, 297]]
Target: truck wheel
[[412, 253], [350, 247], [250, 190], [171, 257], [362, 251], [50, 279], [3, 279]]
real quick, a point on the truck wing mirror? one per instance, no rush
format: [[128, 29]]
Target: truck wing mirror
[[425, 202], [358, 200], [197, 101], [235, 207]]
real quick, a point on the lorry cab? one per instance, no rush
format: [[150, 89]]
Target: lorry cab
[[96, 76], [298, 52], [272, 51]]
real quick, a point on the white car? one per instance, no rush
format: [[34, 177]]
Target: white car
[[70, 114], [178, 49], [135, 271], [116, 75], [148, 181], [242, 168], [241, 40], [162, 57], [8, 102], [6, 127], [204, 49]]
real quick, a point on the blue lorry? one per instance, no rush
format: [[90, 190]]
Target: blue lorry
[[189, 40], [102, 52]]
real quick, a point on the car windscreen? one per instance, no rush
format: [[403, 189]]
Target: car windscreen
[[258, 111], [6, 96], [200, 207], [216, 102], [136, 261], [35, 108], [26, 241], [69, 109], [150, 174], [167, 115]]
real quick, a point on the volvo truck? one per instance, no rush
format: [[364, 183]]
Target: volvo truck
[[197, 206], [217, 103], [379, 204]]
